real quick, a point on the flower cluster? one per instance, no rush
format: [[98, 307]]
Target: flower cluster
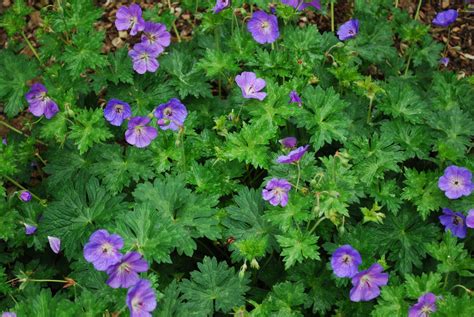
[[139, 133], [40, 103], [154, 40], [366, 284], [103, 251], [456, 182]]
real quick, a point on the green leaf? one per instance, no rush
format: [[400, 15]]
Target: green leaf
[[44, 304], [323, 115], [17, 69], [455, 306], [421, 189], [297, 246], [453, 257], [79, 209], [404, 237], [215, 287], [89, 128], [216, 63], [371, 215], [285, 299], [250, 144], [13, 18], [84, 53], [151, 232], [119, 166], [417, 286], [194, 214], [244, 221], [391, 302], [171, 305]]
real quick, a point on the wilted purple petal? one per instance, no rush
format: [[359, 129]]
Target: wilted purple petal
[[289, 142], [29, 229], [55, 244], [445, 18], [348, 30]]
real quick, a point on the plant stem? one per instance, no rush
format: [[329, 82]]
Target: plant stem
[[408, 65], [299, 175], [14, 182], [369, 113], [417, 14], [11, 127], [31, 46], [332, 16], [446, 280], [176, 32], [396, 3], [46, 280], [447, 42], [316, 225]]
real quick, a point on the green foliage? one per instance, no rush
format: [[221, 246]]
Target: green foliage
[[215, 287], [89, 129], [452, 256], [16, 71], [297, 246], [13, 19]]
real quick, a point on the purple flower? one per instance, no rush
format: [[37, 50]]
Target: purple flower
[[276, 192], [141, 299], [102, 250], [25, 196], [345, 261], [445, 18], [366, 283], [288, 142], [40, 103], [425, 306], [156, 36], [29, 229], [348, 30], [54, 244], [125, 273], [470, 219], [4, 140], [251, 85], [264, 27], [444, 61], [138, 133], [454, 222], [220, 5], [295, 98], [301, 5], [293, 156], [171, 115], [144, 58], [116, 111], [130, 18], [456, 182], [8, 314]]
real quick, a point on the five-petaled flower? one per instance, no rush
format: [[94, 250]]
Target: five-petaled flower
[[40, 103], [116, 111], [156, 36], [220, 5], [276, 192], [144, 58], [251, 85], [445, 18], [456, 182], [302, 4], [141, 299], [293, 156], [171, 115], [295, 98], [348, 30], [454, 222], [366, 284], [424, 307], [138, 133], [130, 18], [125, 273], [103, 249], [264, 27], [29, 229], [345, 261]]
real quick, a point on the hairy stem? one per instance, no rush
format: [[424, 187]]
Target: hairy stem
[[31, 46], [14, 182], [417, 14], [332, 16]]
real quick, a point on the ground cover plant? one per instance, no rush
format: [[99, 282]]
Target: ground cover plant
[[237, 161]]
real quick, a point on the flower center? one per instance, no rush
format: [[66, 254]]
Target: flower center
[[137, 304], [250, 90], [457, 220], [265, 26], [125, 267], [456, 182], [144, 56], [346, 259], [138, 129], [426, 309], [106, 248], [133, 21], [118, 108], [365, 279], [168, 112]]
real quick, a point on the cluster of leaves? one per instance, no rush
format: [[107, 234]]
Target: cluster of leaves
[[381, 125]]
